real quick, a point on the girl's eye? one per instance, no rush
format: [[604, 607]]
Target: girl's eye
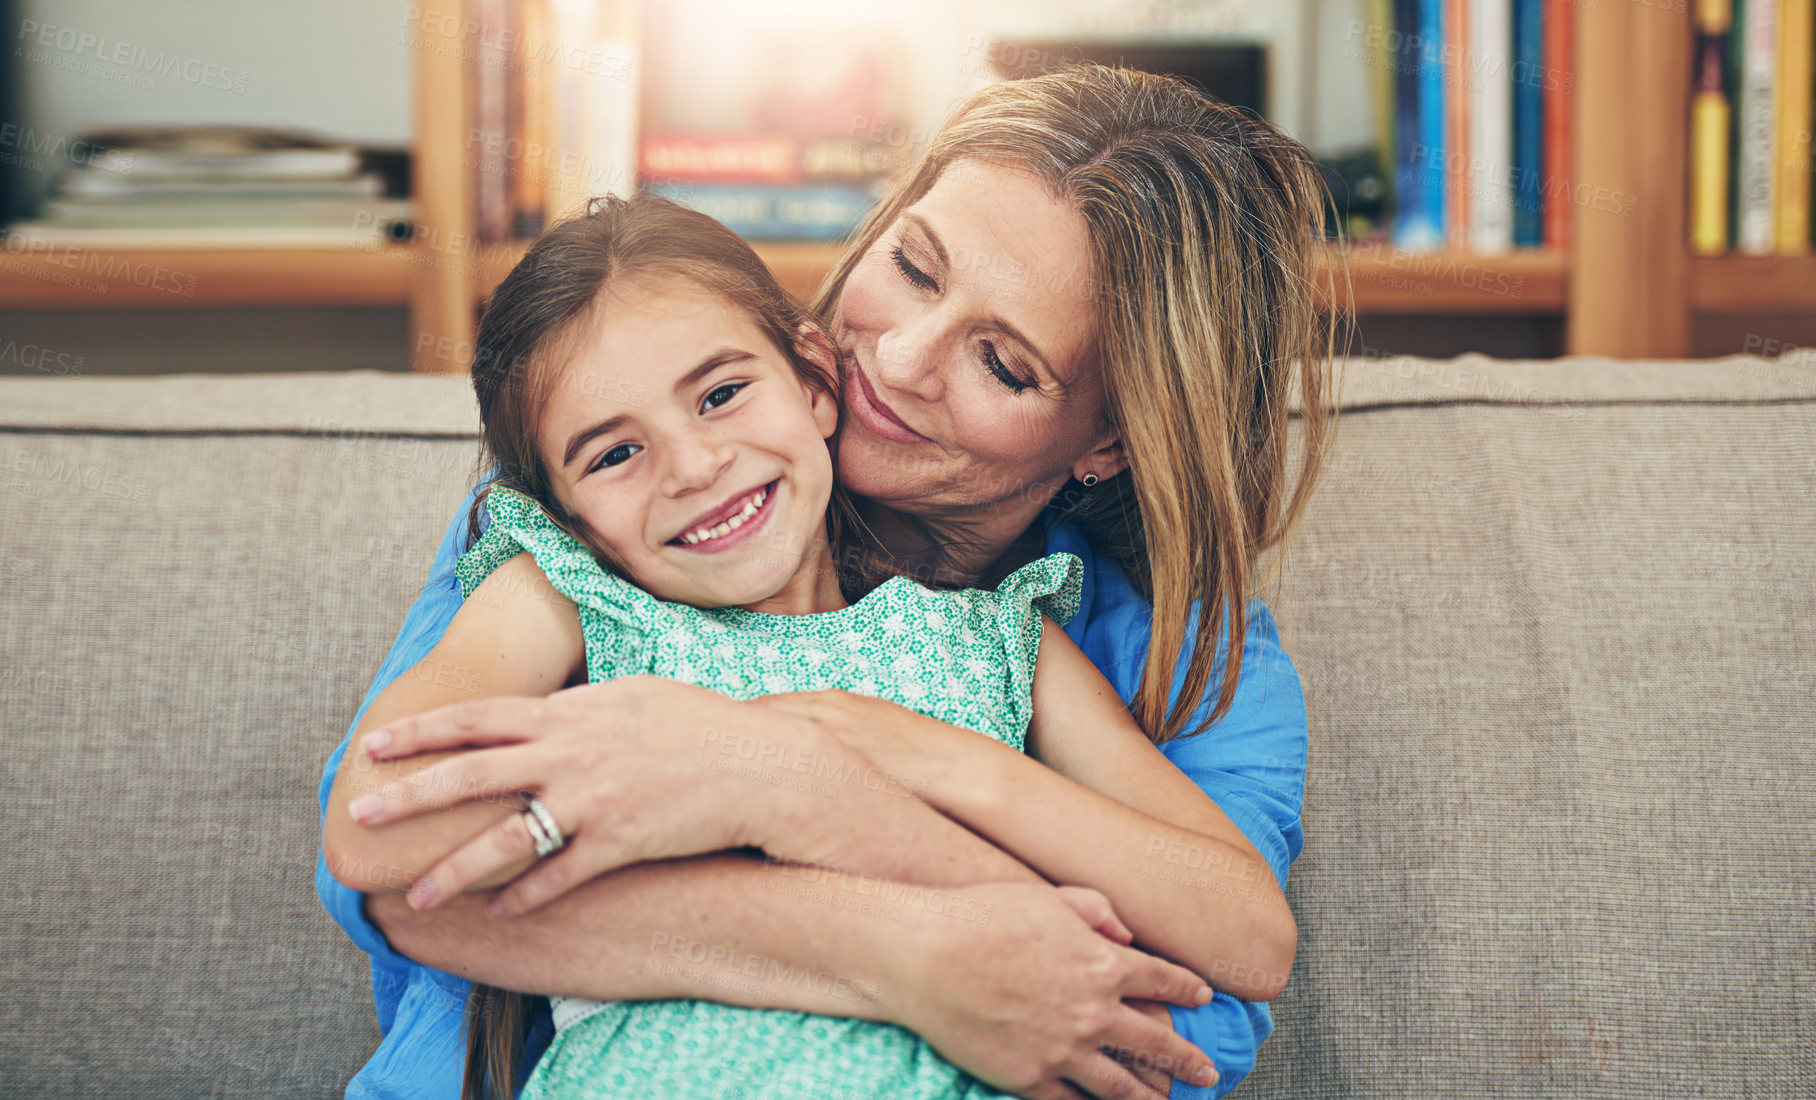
[[910, 272], [721, 394], [996, 368], [614, 456]]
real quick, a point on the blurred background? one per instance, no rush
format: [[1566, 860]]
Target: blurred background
[[221, 186]]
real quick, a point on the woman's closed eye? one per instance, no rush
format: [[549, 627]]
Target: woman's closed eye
[[1000, 372], [910, 272]]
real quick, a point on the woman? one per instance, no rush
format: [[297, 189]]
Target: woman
[[1075, 326]]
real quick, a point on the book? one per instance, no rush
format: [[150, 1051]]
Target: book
[[486, 142], [569, 180], [1419, 115], [1559, 125], [1709, 123], [804, 212], [1431, 117], [224, 214], [1383, 64], [738, 158], [1460, 77], [1528, 122], [1756, 174], [852, 160], [86, 183], [613, 99], [1491, 126], [527, 116], [1791, 147], [218, 152]]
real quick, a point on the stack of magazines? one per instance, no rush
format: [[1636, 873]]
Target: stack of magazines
[[191, 187]]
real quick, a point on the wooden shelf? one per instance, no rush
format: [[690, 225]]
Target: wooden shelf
[[1386, 279], [82, 278], [1383, 279], [1748, 284]]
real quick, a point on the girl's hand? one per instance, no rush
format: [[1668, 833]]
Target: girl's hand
[[1031, 1000], [632, 770]]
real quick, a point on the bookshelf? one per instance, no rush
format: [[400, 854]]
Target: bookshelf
[[1627, 287]]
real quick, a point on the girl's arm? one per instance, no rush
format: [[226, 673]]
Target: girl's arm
[[517, 636], [1094, 803]]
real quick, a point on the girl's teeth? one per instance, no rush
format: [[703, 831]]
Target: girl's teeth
[[730, 525]]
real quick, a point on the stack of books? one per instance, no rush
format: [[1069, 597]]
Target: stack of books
[[771, 187], [186, 187], [1750, 122], [1472, 108], [556, 103]]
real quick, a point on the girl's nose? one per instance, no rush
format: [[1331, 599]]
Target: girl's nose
[[696, 461]]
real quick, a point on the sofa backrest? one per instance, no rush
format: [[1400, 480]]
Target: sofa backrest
[[1553, 621]]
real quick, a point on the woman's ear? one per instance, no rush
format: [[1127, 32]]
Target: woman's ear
[[812, 345], [1106, 461]]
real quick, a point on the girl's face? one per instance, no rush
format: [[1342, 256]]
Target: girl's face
[[967, 338], [687, 443]]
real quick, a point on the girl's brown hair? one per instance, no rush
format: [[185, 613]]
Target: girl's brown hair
[[1204, 224], [526, 338]]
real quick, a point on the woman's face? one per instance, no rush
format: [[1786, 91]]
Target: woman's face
[[689, 446], [968, 342]]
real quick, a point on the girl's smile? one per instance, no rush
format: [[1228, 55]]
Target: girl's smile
[[709, 484]]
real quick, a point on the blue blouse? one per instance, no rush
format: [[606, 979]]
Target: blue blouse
[[1252, 764]]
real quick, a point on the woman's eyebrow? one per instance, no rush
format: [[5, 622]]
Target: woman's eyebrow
[[997, 321]]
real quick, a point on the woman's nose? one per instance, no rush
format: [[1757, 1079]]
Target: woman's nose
[[907, 361], [696, 460]]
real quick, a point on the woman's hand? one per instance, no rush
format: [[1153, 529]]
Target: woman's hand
[[1029, 1002], [632, 770]]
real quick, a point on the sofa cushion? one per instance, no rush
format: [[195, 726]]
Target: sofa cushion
[[1553, 621]]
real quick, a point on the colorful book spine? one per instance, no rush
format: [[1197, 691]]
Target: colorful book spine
[[731, 159], [1732, 67], [1791, 221], [1412, 226], [1709, 131], [570, 179], [1383, 64], [613, 99], [1459, 78], [1528, 121], [1491, 127], [486, 145], [1560, 125], [776, 213], [529, 115], [1757, 174], [1431, 119]]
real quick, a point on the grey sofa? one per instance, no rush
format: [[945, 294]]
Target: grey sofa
[[1556, 623]]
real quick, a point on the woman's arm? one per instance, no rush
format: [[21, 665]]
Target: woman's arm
[[517, 636], [1096, 804]]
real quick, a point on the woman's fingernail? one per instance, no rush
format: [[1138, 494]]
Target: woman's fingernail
[[1205, 1077], [375, 742], [1203, 996], [422, 894], [495, 908], [366, 807]]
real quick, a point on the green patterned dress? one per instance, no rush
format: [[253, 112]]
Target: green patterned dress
[[964, 657]]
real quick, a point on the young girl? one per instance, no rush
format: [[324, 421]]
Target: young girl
[[656, 411]]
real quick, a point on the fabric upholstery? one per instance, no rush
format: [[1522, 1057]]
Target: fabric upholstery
[[1554, 623]]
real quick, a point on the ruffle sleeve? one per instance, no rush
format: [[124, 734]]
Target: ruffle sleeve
[[616, 616], [1052, 586]]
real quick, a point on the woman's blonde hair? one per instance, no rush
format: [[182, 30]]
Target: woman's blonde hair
[[1204, 224]]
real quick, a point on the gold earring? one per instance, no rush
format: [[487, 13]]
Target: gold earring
[[1088, 480]]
